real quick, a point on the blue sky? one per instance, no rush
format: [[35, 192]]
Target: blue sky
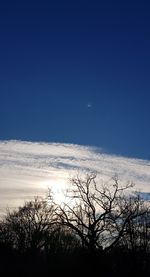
[[76, 72]]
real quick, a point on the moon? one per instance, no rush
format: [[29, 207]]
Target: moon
[[89, 105]]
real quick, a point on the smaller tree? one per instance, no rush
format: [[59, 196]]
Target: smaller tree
[[62, 241], [29, 226], [137, 231]]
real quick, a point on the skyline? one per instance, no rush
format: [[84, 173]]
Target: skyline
[[76, 73]]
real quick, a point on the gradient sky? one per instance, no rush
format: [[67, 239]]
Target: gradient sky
[[76, 72]]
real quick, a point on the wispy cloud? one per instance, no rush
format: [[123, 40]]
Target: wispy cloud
[[27, 169]]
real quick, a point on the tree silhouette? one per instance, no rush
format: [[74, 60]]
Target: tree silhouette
[[101, 225], [137, 231], [28, 227], [98, 214]]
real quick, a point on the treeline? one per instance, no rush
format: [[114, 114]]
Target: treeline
[[100, 229]]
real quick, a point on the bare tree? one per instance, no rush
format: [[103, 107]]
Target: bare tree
[[29, 226], [62, 241], [98, 214], [137, 231]]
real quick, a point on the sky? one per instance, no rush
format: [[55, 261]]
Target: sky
[[74, 94], [30, 169], [76, 72]]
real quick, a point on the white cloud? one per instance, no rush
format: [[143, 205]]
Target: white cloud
[[27, 169]]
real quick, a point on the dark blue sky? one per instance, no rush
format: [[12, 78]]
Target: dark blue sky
[[56, 57]]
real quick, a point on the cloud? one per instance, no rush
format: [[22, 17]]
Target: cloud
[[27, 169]]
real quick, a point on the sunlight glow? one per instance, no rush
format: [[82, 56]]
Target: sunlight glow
[[57, 186]]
